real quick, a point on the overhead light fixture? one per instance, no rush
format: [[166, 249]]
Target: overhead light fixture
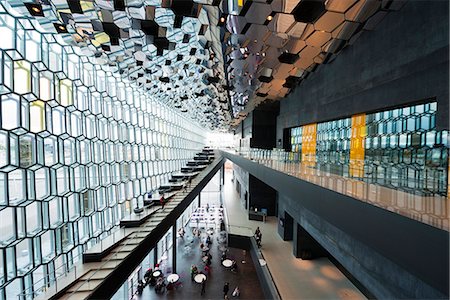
[[269, 18], [60, 28], [35, 9], [222, 20]]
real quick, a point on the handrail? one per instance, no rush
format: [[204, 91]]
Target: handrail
[[49, 279], [259, 252], [343, 169], [134, 235]]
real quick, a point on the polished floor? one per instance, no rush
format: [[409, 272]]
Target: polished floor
[[433, 210], [295, 278]]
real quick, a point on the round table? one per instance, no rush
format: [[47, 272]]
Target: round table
[[172, 278], [205, 249], [262, 262], [227, 263], [157, 273], [199, 278], [205, 258]]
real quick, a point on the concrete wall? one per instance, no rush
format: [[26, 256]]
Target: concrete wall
[[391, 255], [404, 60], [242, 176]]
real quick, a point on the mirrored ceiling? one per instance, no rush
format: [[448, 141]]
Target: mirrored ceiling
[[214, 60], [171, 48], [275, 44]]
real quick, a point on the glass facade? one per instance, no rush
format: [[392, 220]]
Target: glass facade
[[398, 148], [79, 146]]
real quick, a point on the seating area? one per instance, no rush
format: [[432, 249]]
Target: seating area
[[214, 267], [208, 217]]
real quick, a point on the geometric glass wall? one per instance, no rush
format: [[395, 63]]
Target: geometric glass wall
[[79, 146], [398, 148]]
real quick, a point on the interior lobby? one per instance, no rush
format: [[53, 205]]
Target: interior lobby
[[248, 149]]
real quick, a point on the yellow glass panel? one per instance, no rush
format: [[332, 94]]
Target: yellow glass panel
[[86, 5], [357, 139], [22, 77], [101, 38], [309, 137], [65, 92], [448, 179], [44, 88], [240, 3], [37, 116]]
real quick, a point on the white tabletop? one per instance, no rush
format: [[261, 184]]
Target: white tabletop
[[227, 263], [157, 273], [173, 278], [199, 278], [262, 262]]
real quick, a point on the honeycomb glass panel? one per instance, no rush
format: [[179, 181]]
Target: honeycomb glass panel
[[22, 77], [65, 92], [68, 130], [37, 116], [10, 111]]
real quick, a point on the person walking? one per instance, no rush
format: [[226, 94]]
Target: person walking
[[257, 231], [226, 288], [203, 287]]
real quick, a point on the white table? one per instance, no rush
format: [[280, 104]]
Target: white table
[[172, 278], [157, 273], [199, 278], [227, 263]]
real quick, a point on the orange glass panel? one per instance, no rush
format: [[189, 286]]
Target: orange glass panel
[[357, 138], [309, 135]]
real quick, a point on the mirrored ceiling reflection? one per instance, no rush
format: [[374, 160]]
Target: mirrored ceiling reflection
[[275, 44], [170, 48]]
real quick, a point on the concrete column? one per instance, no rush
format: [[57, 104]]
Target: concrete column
[[174, 247], [155, 255]]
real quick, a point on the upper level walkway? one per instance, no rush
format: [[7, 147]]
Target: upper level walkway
[[433, 210]]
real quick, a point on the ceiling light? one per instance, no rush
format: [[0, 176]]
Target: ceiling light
[[269, 18], [35, 9], [222, 19]]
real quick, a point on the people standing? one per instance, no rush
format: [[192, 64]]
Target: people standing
[[162, 201], [203, 287], [258, 236], [226, 288]]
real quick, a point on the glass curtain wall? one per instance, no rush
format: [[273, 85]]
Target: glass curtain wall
[[79, 146], [398, 148]]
